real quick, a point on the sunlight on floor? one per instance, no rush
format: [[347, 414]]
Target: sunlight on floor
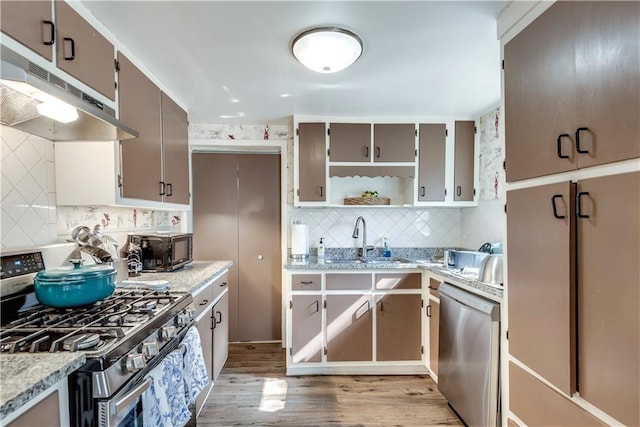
[[274, 395]]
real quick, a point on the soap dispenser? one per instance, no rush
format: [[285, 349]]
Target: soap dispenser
[[321, 248], [386, 251]]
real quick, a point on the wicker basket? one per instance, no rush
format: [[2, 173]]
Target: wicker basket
[[367, 201]]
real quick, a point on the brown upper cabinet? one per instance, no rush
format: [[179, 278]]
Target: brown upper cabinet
[[571, 89], [394, 142], [350, 142], [30, 23], [312, 162], [431, 162], [83, 52], [463, 168], [155, 165]]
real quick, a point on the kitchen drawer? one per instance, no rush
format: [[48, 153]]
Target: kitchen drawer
[[304, 282], [220, 284], [398, 280], [204, 298], [341, 282], [434, 286]]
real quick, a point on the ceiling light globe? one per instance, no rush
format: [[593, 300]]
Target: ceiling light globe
[[327, 50]]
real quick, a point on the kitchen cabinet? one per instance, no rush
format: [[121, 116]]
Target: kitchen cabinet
[[350, 142], [154, 166], [83, 52], [220, 314], [394, 142], [204, 324], [398, 327], [45, 413], [301, 282], [464, 155], [433, 313], [571, 82], [306, 335], [575, 317], [31, 24], [311, 174], [349, 328], [431, 162]]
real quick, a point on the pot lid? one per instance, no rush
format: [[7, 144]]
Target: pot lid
[[77, 272]]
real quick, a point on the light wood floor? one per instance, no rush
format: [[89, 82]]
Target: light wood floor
[[253, 390]]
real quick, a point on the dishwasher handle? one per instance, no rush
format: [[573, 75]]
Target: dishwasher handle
[[470, 300]]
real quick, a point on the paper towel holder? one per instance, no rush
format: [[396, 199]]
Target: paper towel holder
[[299, 251]]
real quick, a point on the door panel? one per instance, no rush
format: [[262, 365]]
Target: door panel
[[434, 335], [220, 334], [350, 142], [540, 102], [609, 295], [398, 327], [398, 280], [259, 249], [140, 158], [206, 339], [215, 219], [175, 151], [312, 162], [394, 142], [306, 318], [541, 281], [349, 328], [607, 43], [464, 161], [431, 162], [24, 21]]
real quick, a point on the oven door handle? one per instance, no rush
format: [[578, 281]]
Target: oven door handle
[[132, 395]]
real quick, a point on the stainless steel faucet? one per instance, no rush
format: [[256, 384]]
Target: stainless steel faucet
[[362, 252]]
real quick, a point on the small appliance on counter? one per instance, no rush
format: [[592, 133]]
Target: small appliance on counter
[[299, 241], [163, 252]]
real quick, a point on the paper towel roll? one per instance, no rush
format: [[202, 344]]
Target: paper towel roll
[[299, 241]]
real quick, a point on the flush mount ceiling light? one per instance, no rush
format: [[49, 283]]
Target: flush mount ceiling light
[[327, 49]]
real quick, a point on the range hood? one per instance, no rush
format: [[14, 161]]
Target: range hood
[[24, 89]]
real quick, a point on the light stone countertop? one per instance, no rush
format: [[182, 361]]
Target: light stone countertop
[[23, 376]]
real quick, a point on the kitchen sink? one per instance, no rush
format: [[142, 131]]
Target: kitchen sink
[[368, 261]]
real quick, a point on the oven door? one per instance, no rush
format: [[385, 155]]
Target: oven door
[[125, 408]]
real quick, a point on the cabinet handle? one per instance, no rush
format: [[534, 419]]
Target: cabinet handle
[[458, 191], [317, 306], [366, 151], [378, 152], [555, 209], [433, 288], [578, 149], [306, 282], [423, 191], [162, 188], [52, 37], [73, 49], [169, 189], [381, 305], [429, 310], [219, 320], [204, 302], [559, 144], [223, 284], [578, 207], [321, 191], [213, 323]]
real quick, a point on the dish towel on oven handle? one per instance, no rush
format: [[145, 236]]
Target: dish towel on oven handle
[[196, 377], [164, 402]]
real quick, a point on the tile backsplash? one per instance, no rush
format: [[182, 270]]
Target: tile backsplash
[[30, 216]]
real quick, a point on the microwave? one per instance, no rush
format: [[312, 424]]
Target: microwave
[[165, 252]]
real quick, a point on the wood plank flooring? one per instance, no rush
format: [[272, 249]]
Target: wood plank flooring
[[253, 390]]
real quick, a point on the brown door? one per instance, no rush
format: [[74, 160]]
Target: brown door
[[259, 247], [398, 327], [464, 161], [306, 319], [431, 162], [83, 52], [394, 142], [236, 216], [175, 152], [30, 23], [312, 161], [220, 313], [433, 311], [350, 142], [540, 230], [607, 46], [609, 294], [141, 157], [349, 328], [540, 101]]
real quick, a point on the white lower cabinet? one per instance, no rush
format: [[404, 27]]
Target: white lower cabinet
[[355, 321]]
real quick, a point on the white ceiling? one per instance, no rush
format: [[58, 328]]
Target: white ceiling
[[230, 62]]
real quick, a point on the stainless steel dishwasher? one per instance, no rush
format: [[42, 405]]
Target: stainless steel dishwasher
[[468, 362]]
